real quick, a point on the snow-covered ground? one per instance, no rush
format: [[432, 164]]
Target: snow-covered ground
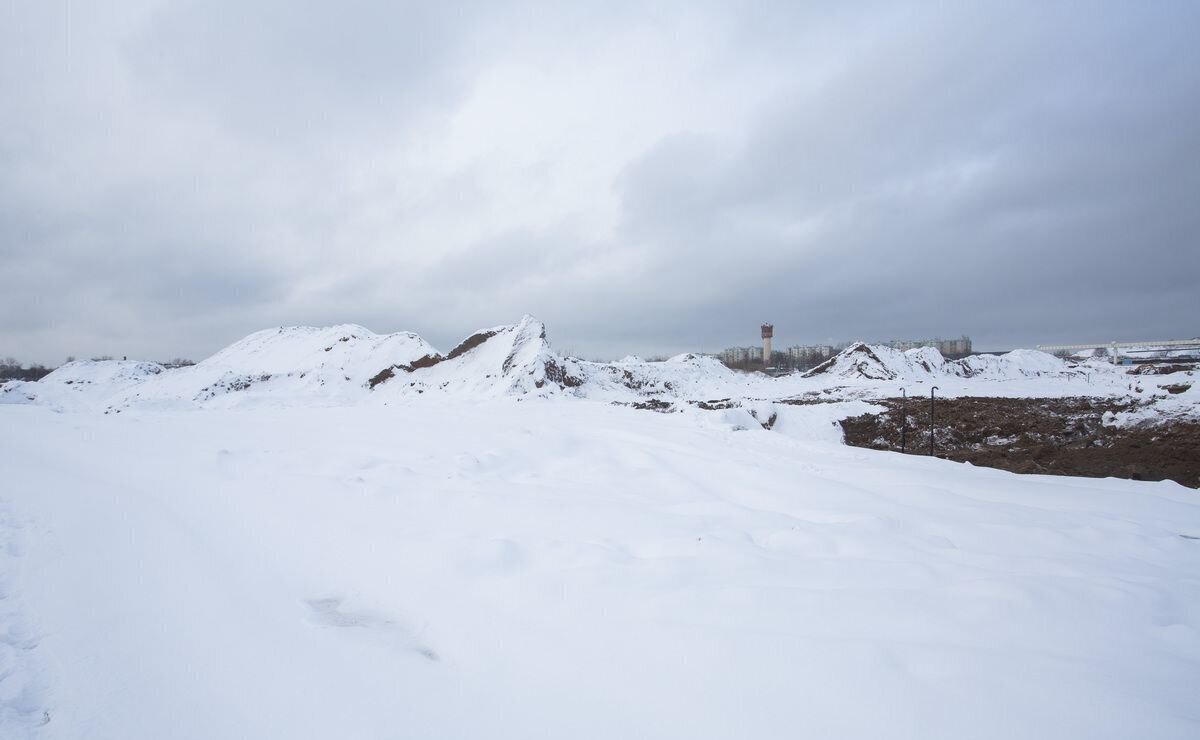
[[453, 555]]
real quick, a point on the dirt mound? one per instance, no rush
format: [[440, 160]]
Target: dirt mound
[[1060, 436]]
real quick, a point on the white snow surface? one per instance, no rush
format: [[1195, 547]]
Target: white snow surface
[[464, 553]]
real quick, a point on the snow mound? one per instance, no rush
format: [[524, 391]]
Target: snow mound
[[503, 360], [274, 366], [873, 362], [81, 384], [87, 372], [682, 377], [517, 360], [1016, 364], [862, 361], [331, 363]]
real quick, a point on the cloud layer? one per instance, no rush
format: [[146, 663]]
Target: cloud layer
[[644, 178]]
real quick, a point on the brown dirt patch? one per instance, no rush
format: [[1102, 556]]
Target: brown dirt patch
[[1036, 435], [1150, 369], [470, 343]]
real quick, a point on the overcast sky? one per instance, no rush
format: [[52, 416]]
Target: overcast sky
[[644, 177]]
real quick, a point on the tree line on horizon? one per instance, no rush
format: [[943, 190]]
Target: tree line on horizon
[[13, 369]]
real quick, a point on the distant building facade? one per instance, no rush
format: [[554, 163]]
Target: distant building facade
[[800, 352], [806, 356], [741, 355], [948, 347]]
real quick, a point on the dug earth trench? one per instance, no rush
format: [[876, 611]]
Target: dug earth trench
[[1056, 436]]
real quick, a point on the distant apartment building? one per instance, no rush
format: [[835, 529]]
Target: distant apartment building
[[740, 355], [801, 352], [805, 356], [960, 346]]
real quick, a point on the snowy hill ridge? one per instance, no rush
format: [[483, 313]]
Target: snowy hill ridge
[[875, 362], [517, 360], [328, 364], [348, 363], [503, 360]]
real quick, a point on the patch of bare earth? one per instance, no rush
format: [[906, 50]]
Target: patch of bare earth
[[1058, 436]]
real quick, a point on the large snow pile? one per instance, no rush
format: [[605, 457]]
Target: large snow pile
[[686, 376], [493, 569], [287, 364], [504, 360], [82, 384], [862, 361], [874, 362], [518, 360], [283, 365], [1015, 364]]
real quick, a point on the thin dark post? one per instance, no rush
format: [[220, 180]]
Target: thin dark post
[[931, 390], [903, 418]]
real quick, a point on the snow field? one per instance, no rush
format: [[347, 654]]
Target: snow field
[[566, 568]]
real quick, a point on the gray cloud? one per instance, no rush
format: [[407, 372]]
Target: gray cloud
[[176, 175]]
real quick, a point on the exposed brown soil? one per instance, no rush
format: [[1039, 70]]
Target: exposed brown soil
[[809, 399], [652, 404], [1061, 436], [716, 404], [556, 374], [425, 361], [382, 376], [1151, 369], [470, 343], [421, 362]]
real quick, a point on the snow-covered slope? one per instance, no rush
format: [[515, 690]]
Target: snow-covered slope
[[861, 361], [286, 365], [1016, 364], [504, 360], [83, 384], [518, 360], [570, 569]]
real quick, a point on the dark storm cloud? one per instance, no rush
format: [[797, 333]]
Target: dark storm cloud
[[176, 175]]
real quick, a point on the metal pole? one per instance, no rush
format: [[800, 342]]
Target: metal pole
[[931, 420], [903, 419]]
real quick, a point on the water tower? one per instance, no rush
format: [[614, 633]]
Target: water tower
[[768, 330]]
